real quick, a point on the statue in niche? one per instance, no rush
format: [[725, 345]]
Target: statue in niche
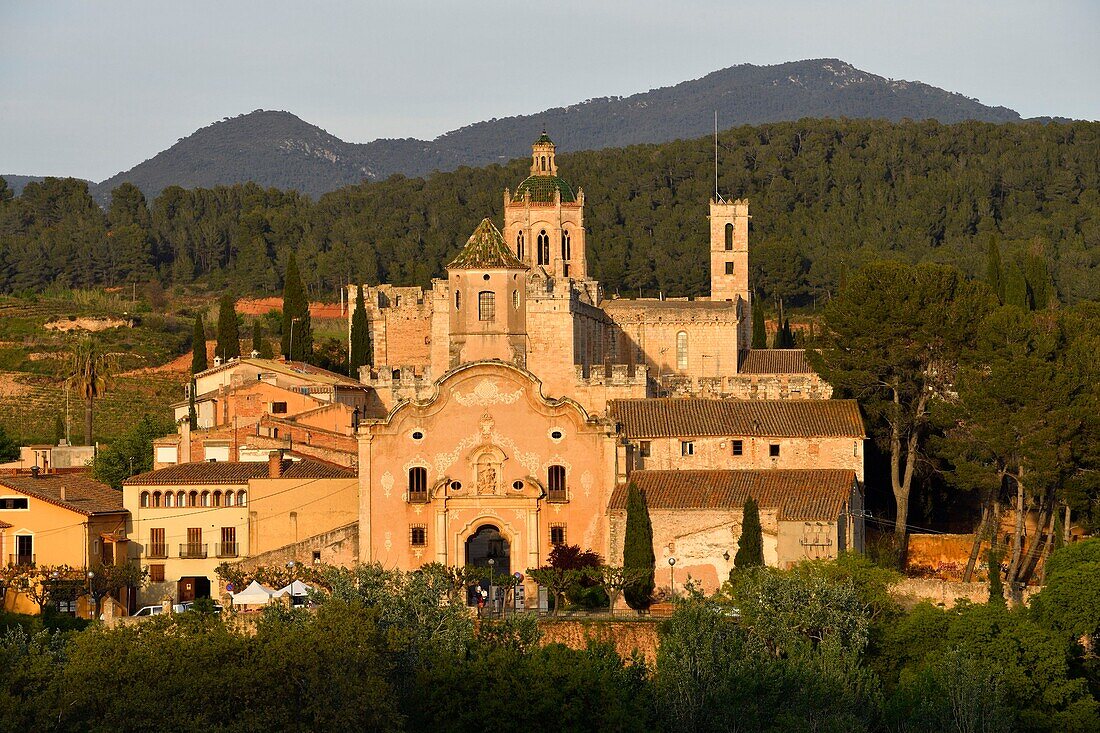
[[486, 478]]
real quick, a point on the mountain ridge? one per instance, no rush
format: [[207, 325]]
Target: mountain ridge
[[278, 149]]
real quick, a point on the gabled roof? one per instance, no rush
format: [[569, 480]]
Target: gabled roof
[[795, 495], [775, 361], [674, 417], [83, 494], [298, 369], [233, 472], [485, 250]]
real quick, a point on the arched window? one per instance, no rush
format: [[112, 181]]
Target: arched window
[[242, 498], [193, 499], [169, 499], [229, 498], [544, 162], [143, 501], [458, 299], [217, 498], [515, 299], [566, 248], [519, 245], [729, 236], [486, 306], [418, 484], [555, 483], [682, 350], [543, 248], [181, 498], [206, 498]]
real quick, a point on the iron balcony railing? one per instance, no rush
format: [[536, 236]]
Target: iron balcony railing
[[418, 497], [20, 559], [226, 549], [193, 551], [557, 495]]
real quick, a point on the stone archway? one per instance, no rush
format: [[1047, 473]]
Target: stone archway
[[484, 544]]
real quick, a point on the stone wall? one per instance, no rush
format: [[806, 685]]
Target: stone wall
[[946, 593], [339, 546], [627, 636]]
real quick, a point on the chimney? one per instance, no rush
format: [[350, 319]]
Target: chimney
[[63, 492], [34, 471], [275, 464]]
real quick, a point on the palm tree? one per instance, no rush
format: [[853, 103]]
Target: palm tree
[[89, 372]]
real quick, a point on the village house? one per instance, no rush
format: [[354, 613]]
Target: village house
[[49, 520]]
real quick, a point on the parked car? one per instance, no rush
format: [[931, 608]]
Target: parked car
[[187, 607], [158, 610]]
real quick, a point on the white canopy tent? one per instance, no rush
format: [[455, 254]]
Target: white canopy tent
[[254, 595], [297, 588]]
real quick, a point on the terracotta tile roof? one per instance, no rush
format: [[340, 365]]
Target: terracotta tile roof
[[290, 368], [234, 472], [796, 495], [775, 361], [5, 525], [83, 494], [485, 250], [671, 417]]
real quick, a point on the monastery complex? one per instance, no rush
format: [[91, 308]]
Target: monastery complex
[[505, 411]]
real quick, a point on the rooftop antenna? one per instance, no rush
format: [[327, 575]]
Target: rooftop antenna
[[717, 196]]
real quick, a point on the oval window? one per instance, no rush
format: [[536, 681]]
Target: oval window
[[556, 434], [485, 276], [418, 435], [456, 486], [517, 485]]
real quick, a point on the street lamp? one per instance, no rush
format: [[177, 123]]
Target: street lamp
[[492, 594], [672, 574], [90, 576]]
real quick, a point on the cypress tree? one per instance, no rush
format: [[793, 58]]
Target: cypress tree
[[360, 336], [759, 330], [994, 272], [996, 586], [229, 337], [1037, 276], [259, 343], [638, 550], [1015, 285], [750, 548], [198, 347], [192, 413], [296, 315]]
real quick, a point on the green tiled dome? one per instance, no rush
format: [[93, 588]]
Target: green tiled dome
[[542, 190]]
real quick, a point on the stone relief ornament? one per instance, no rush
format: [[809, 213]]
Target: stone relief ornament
[[486, 393], [530, 461], [486, 479], [388, 544], [586, 483], [387, 484]]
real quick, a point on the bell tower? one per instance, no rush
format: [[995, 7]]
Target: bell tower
[[729, 260]]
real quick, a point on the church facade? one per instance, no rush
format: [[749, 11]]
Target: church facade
[[515, 402]]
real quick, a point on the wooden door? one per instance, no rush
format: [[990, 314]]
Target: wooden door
[[186, 590]]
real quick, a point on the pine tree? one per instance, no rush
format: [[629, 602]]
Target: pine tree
[[994, 272], [198, 347], [996, 585], [260, 344], [750, 548], [296, 316], [759, 330], [360, 336], [1015, 286], [638, 550], [229, 337]]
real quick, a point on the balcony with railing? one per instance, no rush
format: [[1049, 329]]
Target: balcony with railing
[[226, 549], [157, 552], [557, 496], [193, 551], [21, 559]]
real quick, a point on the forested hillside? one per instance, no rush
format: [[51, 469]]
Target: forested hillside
[[826, 196]]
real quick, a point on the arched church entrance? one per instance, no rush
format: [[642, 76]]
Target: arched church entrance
[[485, 545]]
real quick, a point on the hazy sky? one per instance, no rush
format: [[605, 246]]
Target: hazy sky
[[92, 88]]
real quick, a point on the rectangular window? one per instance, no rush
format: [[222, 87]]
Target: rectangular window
[[486, 305], [228, 546], [644, 448], [687, 448], [14, 502], [738, 448], [278, 408], [194, 547], [156, 573], [157, 546], [24, 550], [557, 534], [418, 535], [66, 606], [773, 450], [418, 484], [729, 268]]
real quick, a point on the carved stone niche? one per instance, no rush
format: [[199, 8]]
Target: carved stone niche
[[486, 468]]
